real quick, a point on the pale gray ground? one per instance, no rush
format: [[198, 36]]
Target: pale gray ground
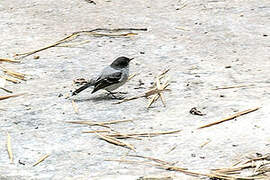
[[211, 36]]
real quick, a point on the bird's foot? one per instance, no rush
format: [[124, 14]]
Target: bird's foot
[[122, 92], [118, 92], [112, 94]]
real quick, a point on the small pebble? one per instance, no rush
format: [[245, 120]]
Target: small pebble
[[193, 155], [36, 57]]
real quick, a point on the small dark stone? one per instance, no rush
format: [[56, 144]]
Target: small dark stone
[[20, 162], [140, 82], [60, 95], [142, 52], [227, 67], [193, 155], [195, 111], [222, 95], [91, 2], [265, 35]]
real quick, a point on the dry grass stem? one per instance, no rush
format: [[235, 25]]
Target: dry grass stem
[[156, 177], [205, 143], [96, 131], [131, 76], [230, 87], [10, 96], [260, 169], [265, 157], [113, 35], [115, 141], [129, 161], [173, 148], [183, 29], [152, 100], [230, 118], [156, 91], [239, 168], [9, 60], [10, 79], [8, 91], [74, 44], [121, 136], [41, 159], [166, 167], [13, 73], [153, 159], [161, 75], [147, 134], [183, 6], [75, 107], [232, 177], [94, 32], [99, 123], [88, 123], [9, 150]]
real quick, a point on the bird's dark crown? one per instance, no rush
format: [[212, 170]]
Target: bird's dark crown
[[121, 62]]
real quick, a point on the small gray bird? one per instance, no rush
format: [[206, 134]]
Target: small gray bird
[[111, 78]]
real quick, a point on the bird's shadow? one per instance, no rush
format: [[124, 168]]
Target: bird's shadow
[[99, 98]]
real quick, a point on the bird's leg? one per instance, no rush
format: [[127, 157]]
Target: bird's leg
[[112, 94], [118, 92], [122, 92]]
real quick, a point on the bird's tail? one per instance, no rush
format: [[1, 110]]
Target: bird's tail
[[77, 91]]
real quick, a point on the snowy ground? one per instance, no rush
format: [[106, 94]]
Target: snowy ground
[[206, 44]]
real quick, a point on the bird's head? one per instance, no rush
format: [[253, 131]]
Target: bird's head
[[121, 62]]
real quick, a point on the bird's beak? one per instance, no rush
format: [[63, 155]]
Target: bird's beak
[[131, 59]]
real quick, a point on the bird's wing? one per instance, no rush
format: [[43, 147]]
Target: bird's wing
[[105, 81]]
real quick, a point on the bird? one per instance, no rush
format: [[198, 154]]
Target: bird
[[110, 78]]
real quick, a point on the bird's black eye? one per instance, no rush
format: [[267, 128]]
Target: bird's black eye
[[124, 63]]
